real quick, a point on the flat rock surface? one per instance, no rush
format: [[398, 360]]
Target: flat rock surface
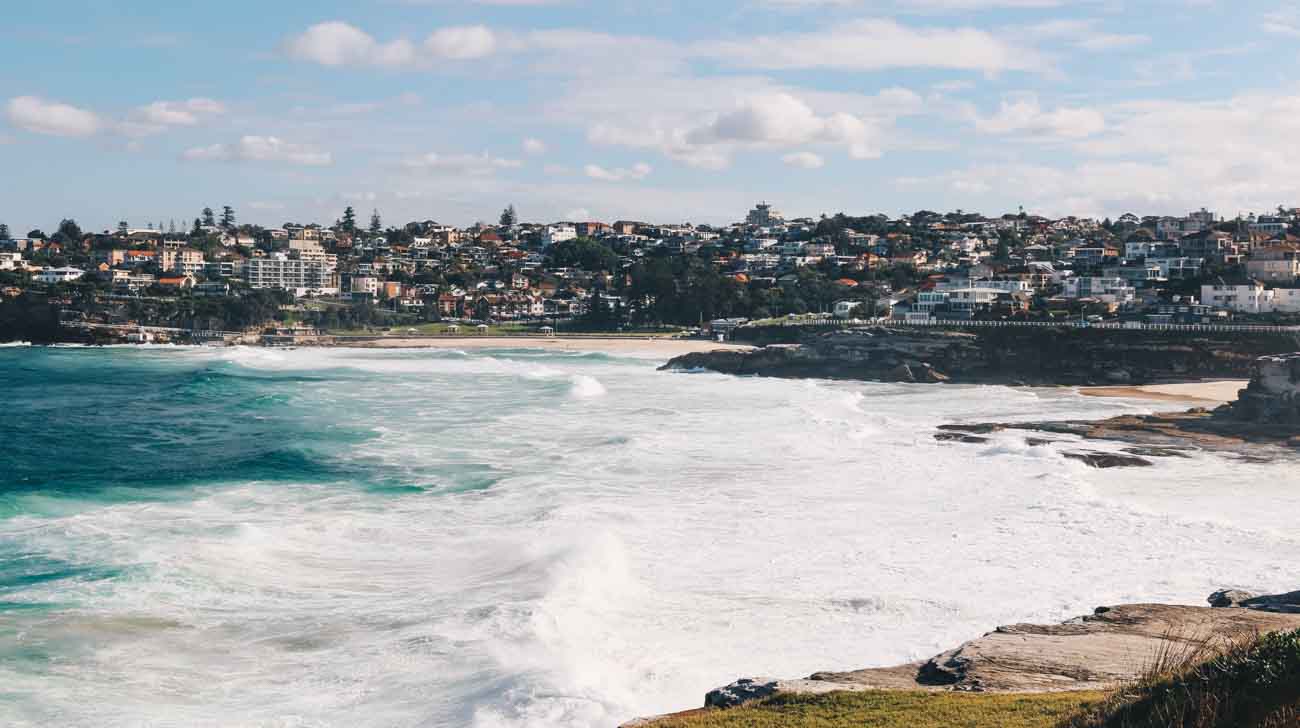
[[1089, 653]]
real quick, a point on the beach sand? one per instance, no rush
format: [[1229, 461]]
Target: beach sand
[[1194, 393], [608, 345]]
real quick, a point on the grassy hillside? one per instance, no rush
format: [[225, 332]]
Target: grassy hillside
[[1253, 683], [891, 709]]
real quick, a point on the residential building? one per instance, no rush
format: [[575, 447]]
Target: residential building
[[555, 234], [302, 277], [764, 216], [1281, 264], [66, 274], [1247, 297]]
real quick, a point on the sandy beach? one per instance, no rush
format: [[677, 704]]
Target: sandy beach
[[609, 345], [1194, 393]]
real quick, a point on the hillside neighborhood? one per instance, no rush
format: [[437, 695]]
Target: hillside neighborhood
[[632, 275]]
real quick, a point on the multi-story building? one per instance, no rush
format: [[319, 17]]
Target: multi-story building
[[555, 234], [764, 216], [1110, 290], [1249, 297], [1281, 264], [302, 277]]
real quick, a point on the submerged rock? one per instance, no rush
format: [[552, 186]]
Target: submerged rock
[[960, 437], [1097, 459]]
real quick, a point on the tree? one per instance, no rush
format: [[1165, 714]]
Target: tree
[[349, 220], [69, 231], [37, 234], [4, 231], [197, 230], [209, 217], [122, 228], [376, 224], [509, 218], [228, 217]]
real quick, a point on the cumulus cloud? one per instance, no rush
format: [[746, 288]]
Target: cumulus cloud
[[473, 164], [336, 43], [158, 116], [39, 116], [260, 149], [804, 160], [784, 120], [638, 171], [1026, 116]]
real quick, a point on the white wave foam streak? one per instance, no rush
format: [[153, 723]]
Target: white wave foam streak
[[576, 562]]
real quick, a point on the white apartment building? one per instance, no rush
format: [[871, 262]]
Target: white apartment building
[[1280, 264], [302, 277], [11, 261], [554, 234], [1240, 298], [1251, 298], [1110, 290]]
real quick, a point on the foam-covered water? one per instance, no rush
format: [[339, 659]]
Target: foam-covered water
[[251, 537]]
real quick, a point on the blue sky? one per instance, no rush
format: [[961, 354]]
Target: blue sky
[[668, 111]]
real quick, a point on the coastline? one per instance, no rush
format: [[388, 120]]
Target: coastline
[[1207, 393], [608, 344]]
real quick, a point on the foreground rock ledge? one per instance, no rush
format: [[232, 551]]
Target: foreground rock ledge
[[1094, 652]]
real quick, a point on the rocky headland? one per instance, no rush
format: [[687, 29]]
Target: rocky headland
[[1263, 423], [1043, 356], [1113, 645]]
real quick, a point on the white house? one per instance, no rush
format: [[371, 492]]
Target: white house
[[11, 261], [1110, 290], [60, 275], [845, 309]]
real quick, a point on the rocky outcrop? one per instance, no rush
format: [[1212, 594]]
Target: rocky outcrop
[[1273, 396], [1094, 652], [1000, 356], [1266, 413]]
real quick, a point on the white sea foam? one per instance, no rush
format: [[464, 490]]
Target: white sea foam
[[585, 387], [575, 564]]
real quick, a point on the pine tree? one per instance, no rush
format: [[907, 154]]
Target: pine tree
[[376, 225], [198, 228], [509, 218], [171, 227], [227, 217], [209, 217], [122, 228], [4, 231], [349, 220]]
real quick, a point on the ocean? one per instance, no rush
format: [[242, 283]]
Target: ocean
[[334, 537]]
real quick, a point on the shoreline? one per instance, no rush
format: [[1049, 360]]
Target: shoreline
[[605, 344], [1212, 392]]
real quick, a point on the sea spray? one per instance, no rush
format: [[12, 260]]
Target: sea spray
[[342, 537]]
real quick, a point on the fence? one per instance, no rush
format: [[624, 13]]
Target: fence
[[1105, 326]]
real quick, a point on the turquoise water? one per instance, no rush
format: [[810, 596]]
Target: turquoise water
[[247, 537]]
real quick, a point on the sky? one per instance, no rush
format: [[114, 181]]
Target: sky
[[668, 111]]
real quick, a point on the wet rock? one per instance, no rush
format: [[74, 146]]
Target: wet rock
[[1157, 452], [960, 437], [1098, 459], [1229, 598], [1038, 442]]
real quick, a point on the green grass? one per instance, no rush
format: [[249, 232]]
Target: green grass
[[1247, 683], [896, 709]]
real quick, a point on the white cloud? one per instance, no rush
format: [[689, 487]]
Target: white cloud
[[39, 116], [1283, 21], [179, 113], [474, 164], [783, 120], [804, 160], [461, 44], [260, 149], [534, 146], [878, 44], [336, 43], [638, 171], [156, 117], [1025, 116]]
